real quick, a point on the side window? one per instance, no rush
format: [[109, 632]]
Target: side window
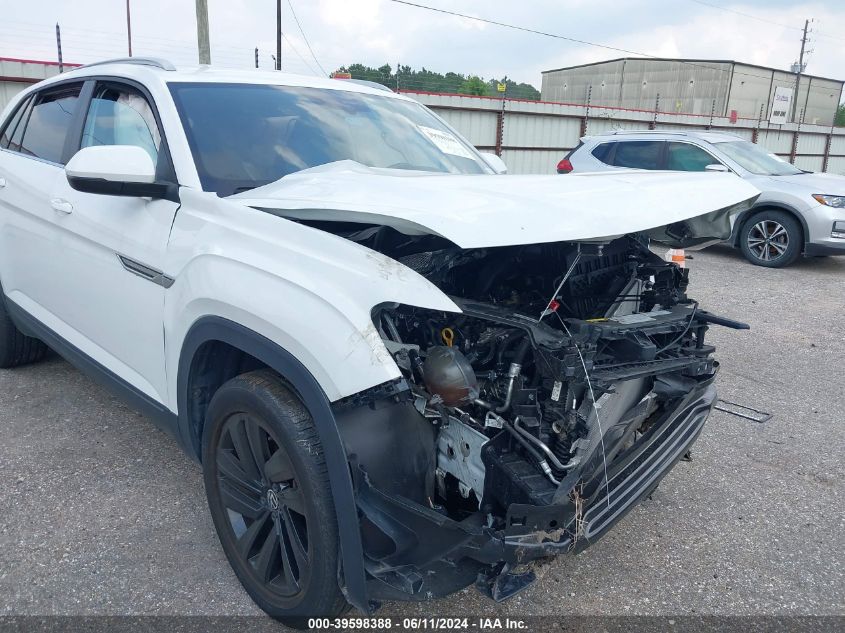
[[602, 152], [638, 154], [13, 126], [687, 157], [120, 115], [47, 123]]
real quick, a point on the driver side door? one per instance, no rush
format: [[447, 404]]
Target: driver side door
[[111, 248]]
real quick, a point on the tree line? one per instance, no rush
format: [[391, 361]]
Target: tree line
[[406, 78]]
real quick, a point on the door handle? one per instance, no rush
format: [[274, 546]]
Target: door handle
[[2, 182], [62, 205]]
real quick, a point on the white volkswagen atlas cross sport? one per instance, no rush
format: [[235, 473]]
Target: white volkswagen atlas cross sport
[[401, 371]]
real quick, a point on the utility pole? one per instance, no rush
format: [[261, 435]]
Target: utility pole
[[800, 67], [59, 47], [278, 34], [128, 28], [203, 42]]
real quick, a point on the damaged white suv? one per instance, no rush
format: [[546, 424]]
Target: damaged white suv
[[402, 372]]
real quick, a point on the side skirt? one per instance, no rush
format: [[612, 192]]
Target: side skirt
[[163, 418]]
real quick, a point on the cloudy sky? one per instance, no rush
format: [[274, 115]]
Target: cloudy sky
[[374, 32]]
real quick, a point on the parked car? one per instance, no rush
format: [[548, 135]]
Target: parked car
[[797, 212], [401, 372]]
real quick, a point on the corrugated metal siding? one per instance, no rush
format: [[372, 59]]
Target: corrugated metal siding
[[478, 127], [836, 165], [8, 90], [823, 99], [523, 130], [28, 72], [750, 92], [811, 143], [810, 163], [776, 141], [543, 132], [534, 162], [837, 144], [696, 87]]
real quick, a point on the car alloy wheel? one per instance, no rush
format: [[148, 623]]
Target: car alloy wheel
[[768, 240], [265, 505]]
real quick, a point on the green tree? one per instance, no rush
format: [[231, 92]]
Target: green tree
[[839, 119], [514, 90], [426, 80], [473, 86]]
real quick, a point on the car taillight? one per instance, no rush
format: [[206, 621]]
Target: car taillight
[[564, 166]]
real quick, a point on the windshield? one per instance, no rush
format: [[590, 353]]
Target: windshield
[[245, 135], [756, 159]]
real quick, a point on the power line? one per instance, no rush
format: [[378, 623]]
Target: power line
[[570, 39], [762, 19], [307, 43], [298, 54], [745, 15]]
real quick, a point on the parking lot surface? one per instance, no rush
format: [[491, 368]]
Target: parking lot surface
[[100, 513]]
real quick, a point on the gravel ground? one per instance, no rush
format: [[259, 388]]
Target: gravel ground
[[100, 513]]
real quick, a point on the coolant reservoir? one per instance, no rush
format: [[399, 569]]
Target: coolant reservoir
[[448, 374]]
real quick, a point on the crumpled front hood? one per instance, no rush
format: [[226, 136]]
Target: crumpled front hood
[[486, 211]]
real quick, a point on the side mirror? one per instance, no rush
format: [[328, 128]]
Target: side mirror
[[495, 163], [716, 167], [115, 170]]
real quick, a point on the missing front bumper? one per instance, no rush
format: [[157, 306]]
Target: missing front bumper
[[414, 552]]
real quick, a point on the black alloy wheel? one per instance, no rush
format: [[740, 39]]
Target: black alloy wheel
[[269, 497]]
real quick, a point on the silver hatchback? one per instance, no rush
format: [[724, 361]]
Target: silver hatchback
[[797, 212]]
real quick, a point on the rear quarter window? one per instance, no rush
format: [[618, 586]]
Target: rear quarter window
[[602, 152], [12, 124]]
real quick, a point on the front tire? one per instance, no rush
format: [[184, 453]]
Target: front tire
[[772, 239], [15, 347], [268, 492]]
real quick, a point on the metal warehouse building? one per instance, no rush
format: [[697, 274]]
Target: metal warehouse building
[[692, 86]]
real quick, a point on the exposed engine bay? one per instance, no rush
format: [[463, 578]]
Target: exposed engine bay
[[564, 358]]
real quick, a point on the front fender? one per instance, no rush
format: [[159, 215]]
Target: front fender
[[308, 291]]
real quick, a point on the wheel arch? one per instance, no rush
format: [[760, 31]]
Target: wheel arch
[[770, 206], [232, 346]]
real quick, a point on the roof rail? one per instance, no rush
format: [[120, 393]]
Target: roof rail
[[157, 62], [622, 132]]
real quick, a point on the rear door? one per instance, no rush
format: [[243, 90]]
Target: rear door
[[33, 150], [638, 154]]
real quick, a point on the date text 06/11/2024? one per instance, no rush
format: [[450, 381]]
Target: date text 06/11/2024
[[413, 624]]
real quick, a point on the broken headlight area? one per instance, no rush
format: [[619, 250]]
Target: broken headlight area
[[572, 380]]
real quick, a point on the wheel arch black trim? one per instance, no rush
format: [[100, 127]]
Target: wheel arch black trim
[[774, 206], [213, 328]]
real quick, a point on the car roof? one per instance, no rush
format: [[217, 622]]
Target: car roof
[[701, 135], [153, 69]]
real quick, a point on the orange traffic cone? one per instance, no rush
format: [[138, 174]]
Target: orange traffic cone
[[676, 256]]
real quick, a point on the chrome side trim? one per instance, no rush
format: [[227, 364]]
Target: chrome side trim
[[146, 272]]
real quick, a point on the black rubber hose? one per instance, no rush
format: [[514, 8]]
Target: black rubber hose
[[522, 351], [503, 347]]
